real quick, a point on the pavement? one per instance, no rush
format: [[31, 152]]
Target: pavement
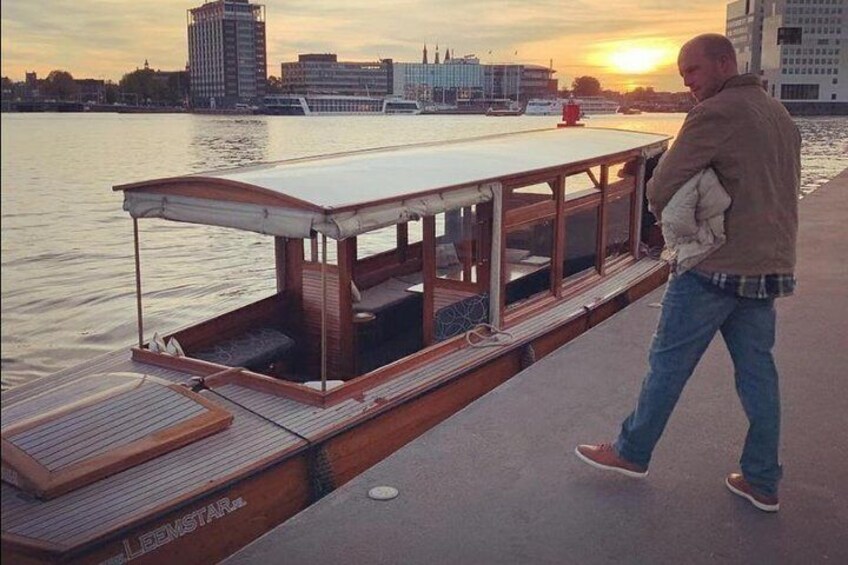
[[498, 483]]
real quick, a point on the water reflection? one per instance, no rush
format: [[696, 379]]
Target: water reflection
[[220, 142]]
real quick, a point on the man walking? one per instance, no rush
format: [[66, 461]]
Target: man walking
[[753, 145]]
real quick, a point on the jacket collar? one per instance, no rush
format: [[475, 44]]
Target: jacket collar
[[742, 80]]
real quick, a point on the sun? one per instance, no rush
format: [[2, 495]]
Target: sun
[[637, 60]]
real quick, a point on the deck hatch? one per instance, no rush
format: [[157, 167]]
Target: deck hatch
[[80, 441]]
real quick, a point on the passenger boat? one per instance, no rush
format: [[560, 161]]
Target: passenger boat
[[326, 104], [513, 109], [589, 105], [409, 282]]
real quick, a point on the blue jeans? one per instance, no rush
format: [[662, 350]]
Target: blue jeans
[[693, 310]]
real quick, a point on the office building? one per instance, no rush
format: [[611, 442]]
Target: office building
[[325, 74], [226, 47], [457, 81], [797, 47]]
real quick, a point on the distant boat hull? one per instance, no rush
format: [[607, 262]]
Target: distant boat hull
[[331, 105], [588, 106]]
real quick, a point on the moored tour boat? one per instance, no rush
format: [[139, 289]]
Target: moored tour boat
[[454, 265]]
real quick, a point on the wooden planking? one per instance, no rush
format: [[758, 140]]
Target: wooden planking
[[135, 493], [89, 433], [53, 398], [16, 401], [63, 429]]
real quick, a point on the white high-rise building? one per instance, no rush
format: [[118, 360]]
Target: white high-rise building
[[798, 47], [745, 31]]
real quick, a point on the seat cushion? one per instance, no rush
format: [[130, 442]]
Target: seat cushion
[[254, 349]]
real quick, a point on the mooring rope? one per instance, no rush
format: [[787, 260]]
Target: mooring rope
[[487, 335]]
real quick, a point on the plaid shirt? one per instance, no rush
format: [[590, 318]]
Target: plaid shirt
[[753, 286]]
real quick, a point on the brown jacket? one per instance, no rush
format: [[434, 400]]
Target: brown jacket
[[753, 145]]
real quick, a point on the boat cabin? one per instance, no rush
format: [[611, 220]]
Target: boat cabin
[[388, 258]]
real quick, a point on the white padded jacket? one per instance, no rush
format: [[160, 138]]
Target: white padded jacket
[[693, 221]]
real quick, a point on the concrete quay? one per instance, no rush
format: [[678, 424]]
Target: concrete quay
[[498, 483]]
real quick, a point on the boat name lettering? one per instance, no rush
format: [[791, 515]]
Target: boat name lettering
[[172, 531]]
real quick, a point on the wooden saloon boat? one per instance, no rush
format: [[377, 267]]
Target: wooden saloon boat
[[453, 266]]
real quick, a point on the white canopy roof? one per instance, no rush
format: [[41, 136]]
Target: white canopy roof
[[345, 194]]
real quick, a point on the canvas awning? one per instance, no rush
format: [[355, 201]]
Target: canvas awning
[[348, 194]]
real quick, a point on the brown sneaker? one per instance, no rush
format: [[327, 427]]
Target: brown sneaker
[[603, 456], [739, 486]]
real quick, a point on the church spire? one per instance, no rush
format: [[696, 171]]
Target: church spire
[[447, 55], [424, 60], [437, 54]]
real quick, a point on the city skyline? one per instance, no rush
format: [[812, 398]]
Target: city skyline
[[624, 43]]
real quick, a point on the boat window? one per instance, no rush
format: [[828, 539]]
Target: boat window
[[581, 242], [527, 269], [585, 182], [376, 242], [312, 250], [530, 194], [619, 218], [622, 176], [457, 245]]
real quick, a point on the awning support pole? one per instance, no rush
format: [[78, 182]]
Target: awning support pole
[[323, 313], [138, 283], [495, 278]]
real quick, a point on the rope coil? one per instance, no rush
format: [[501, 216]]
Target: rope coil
[[487, 335]]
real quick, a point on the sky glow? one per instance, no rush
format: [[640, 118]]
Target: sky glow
[[624, 43]]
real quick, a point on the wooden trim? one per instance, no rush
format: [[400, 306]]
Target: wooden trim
[[23, 550], [583, 204], [559, 237], [294, 267], [346, 253], [602, 222], [532, 214], [402, 240], [268, 385], [280, 262], [429, 276], [462, 286], [636, 212], [212, 188]]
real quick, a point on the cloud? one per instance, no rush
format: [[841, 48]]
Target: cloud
[[107, 38]]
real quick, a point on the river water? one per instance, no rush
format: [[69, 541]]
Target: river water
[[68, 283]]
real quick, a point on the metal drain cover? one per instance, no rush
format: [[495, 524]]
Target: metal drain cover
[[382, 493]]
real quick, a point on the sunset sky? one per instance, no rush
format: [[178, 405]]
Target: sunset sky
[[624, 43]]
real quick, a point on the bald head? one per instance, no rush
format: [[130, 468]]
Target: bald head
[[712, 45], [706, 62]]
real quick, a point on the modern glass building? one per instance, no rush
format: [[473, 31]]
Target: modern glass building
[[798, 47], [226, 53], [454, 82]]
